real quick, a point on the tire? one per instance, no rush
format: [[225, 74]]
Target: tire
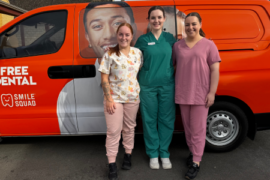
[[226, 127]]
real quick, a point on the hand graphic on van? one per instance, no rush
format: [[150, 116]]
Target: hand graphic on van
[[7, 100]]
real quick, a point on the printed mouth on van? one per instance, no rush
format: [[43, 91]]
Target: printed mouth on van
[[108, 45]]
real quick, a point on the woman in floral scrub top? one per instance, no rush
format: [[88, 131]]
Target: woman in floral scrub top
[[122, 72], [119, 67]]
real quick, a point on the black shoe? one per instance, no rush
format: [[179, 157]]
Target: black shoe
[[112, 171], [127, 162], [192, 171], [190, 160]]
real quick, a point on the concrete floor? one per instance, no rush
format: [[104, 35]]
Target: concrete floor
[[81, 158]]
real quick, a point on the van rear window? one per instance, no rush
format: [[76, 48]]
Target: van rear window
[[230, 24]]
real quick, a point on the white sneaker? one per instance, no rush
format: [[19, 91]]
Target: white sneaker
[[166, 163], [154, 163]]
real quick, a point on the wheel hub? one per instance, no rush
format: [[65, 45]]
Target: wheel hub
[[222, 128]]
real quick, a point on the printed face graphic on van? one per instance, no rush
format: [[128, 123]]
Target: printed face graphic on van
[[102, 24], [7, 100]]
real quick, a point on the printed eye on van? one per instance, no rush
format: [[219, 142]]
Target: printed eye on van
[[17, 75]]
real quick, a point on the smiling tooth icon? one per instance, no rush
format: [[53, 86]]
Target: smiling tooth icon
[[7, 100]]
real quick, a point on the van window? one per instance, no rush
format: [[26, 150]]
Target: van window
[[97, 28], [37, 35], [238, 24]]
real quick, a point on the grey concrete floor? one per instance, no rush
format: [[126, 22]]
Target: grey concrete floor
[[81, 158]]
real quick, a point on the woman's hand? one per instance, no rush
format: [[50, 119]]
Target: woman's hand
[[210, 98], [110, 107]]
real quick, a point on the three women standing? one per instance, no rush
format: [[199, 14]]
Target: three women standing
[[156, 80], [197, 74], [119, 67]]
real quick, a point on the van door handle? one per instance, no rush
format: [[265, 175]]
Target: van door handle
[[60, 72], [70, 72], [84, 71]]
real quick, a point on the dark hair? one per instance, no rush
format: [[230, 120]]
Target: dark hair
[[92, 5], [200, 20], [116, 49], [155, 8]]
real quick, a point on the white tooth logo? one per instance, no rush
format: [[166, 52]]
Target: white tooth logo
[[7, 100]]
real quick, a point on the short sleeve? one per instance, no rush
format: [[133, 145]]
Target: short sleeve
[[169, 38], [105, 65], [172, 40], [139, 43], [213, 55]]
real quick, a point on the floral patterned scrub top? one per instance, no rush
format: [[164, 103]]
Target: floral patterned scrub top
[[123, 72]]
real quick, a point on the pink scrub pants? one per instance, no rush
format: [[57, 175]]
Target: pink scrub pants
[[122, 120], [194, 121]]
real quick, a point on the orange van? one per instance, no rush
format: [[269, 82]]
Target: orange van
[[49, 83]]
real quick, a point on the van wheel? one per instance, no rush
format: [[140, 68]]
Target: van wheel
[[1, 139], [226, 127]]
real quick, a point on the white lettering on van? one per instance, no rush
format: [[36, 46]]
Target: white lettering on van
[[20, 100], [10, 71], [3, 69], [17, 70], [17, 75], [24, 70]]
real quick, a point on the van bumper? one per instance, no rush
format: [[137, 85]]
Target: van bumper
[[262, 121]]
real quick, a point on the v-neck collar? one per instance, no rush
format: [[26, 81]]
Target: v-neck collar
[[160, 36], [194, 44], [129, 53]]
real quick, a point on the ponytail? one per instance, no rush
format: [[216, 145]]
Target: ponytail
[[115, 50], [202, 33]]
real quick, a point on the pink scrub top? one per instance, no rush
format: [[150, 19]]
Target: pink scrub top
[[192, 79]]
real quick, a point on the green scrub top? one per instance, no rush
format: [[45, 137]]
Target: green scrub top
[[157, 67]]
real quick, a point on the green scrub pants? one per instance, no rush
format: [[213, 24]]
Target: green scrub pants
[[158, 115]]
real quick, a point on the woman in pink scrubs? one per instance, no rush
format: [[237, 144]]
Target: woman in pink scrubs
[[197, 73]]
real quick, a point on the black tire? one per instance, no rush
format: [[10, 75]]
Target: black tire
[[1, 139], [226, 127]]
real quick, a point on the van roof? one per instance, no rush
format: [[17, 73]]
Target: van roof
[[134, 3]]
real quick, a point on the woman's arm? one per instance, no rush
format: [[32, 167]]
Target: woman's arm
[[210, 98], [110, 104]]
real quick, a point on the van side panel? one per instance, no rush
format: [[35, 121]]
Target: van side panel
[[37, 114], [240, 32]]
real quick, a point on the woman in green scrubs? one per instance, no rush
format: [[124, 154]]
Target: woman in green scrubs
[[156, 80]]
